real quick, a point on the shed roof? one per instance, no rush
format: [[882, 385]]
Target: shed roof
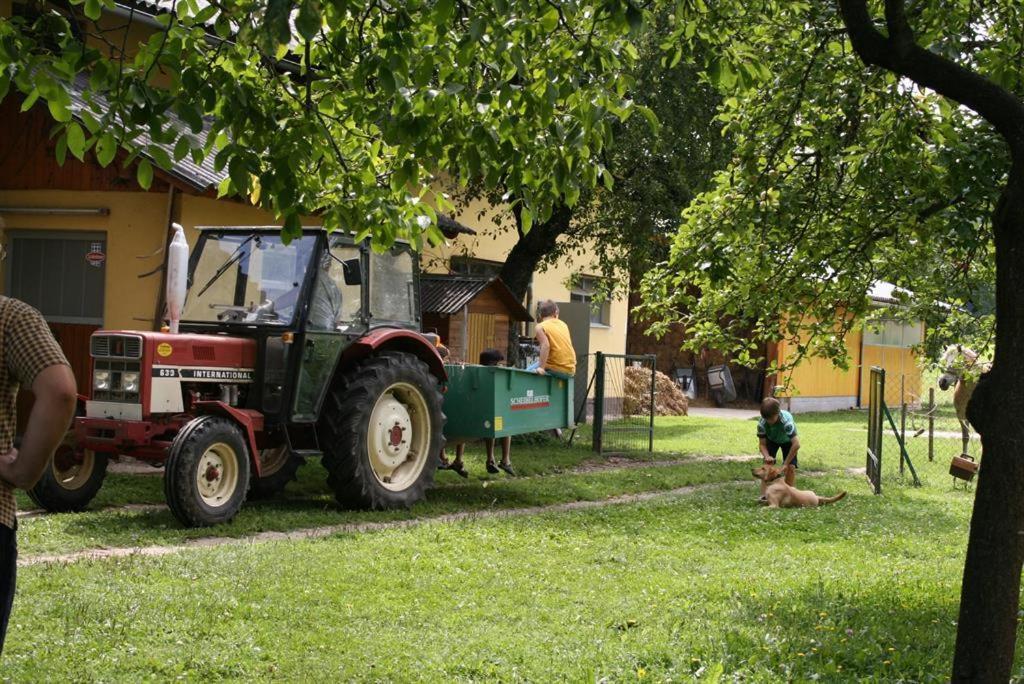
[[449, 294]]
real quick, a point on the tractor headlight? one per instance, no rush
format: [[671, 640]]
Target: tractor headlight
[[101, 380], [130, 383]]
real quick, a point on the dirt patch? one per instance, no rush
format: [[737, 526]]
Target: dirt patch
[[624, 463], [127, 465], [36, 512]]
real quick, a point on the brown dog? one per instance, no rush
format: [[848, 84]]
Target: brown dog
[[781, 495]]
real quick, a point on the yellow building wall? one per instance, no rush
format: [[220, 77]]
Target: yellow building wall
[[903, 381], [493, 243], [134, 228], [817, 377]]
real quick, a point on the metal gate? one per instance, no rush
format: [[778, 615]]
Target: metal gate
[[623, 402]]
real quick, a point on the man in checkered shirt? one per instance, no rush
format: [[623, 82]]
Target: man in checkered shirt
[[31, 358]]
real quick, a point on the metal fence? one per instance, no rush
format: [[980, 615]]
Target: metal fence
[[927, 420], [924, 426], [624, 387]]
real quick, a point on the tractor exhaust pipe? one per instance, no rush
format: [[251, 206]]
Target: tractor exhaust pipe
[[177, 276]]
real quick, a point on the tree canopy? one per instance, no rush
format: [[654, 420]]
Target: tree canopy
[[348, 109], [840, 178]]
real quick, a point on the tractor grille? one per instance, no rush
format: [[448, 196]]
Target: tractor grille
[[116, 347]]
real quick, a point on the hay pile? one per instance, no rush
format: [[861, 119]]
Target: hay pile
[[669, 400]]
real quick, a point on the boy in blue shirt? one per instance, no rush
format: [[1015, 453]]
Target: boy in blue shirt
[[776, 431]]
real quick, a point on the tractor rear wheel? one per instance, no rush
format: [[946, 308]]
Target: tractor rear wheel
[[207, 472], [277, 468], [70, 480], [381, 432]]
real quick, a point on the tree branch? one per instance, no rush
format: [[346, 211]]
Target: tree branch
[[900, 54]]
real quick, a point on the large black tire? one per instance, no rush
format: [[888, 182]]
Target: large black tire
[[206, 475], [277, 468], [391, 462], [69, 483]]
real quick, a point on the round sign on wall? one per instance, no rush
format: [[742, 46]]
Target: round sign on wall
[[96, 258]]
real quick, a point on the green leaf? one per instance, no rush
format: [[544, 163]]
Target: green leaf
[[106, 148], [59, 110], [635, 17], [387, 80], [160, 156], [61, 151], [652, 118], [5, 85], [144, 174], [550, 20], [443, 11], [309, 21], [205, 14], [93, 9], [292, 227], [182, 147], [239, 172], [30, 100], [76, 140], [526, 216], [277, 18]]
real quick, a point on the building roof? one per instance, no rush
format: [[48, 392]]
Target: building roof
[[201, 177], [882, 292], [444, 294]]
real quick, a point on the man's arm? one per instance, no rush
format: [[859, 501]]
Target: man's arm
[[545, 349], [762, 444], [794, 446], [55, 399]]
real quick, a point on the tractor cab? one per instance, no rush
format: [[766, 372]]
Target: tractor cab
[[303, 302]]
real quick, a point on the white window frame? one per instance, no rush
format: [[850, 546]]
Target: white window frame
[[909, 333], [584, 288]]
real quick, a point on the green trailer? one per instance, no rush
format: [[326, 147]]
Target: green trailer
[[494, 401]]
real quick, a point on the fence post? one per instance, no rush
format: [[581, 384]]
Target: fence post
[[598, 400], [931, 423], [654, 375], [903, 415]]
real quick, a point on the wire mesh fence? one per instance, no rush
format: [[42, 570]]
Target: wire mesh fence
[[624, 393], [924, 424]]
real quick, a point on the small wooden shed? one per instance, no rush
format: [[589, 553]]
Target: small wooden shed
[[470, 314]]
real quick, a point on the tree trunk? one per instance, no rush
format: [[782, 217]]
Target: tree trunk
[[531, 248], [989, 596]]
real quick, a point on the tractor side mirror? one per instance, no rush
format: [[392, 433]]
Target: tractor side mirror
[[352, 271]]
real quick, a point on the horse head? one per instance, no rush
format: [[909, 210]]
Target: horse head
[[955, 360]]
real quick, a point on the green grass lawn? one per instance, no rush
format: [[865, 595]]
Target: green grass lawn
[[701, 585]]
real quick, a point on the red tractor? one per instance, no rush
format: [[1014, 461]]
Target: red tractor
[[285, 349]]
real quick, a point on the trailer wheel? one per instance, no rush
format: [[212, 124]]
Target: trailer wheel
[[207, 472], [70, 481], [277, 468], [381, 432]]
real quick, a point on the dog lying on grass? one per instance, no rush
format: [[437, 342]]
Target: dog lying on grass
[[781, 495]]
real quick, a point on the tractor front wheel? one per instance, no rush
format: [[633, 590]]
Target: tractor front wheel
[[70, 480], [381, 432], [207, 472]]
